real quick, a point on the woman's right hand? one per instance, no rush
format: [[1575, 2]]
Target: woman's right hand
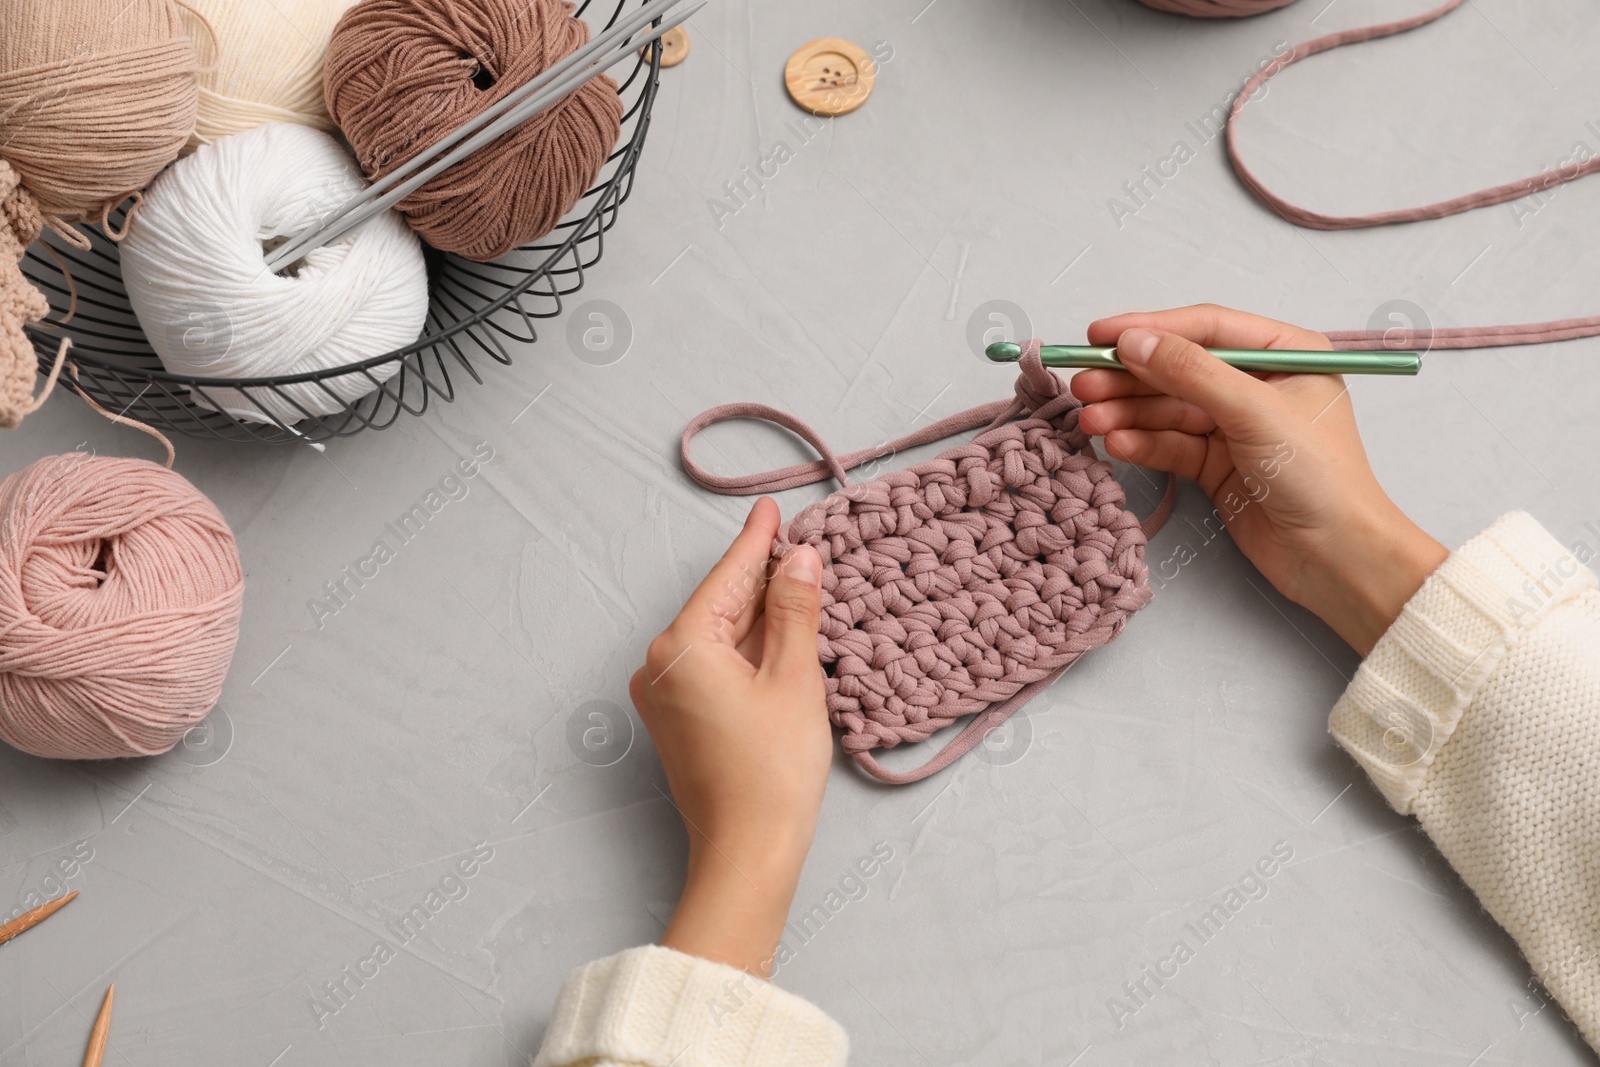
[[1279, 456]]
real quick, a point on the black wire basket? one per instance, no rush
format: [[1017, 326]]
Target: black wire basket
[[474, 310]]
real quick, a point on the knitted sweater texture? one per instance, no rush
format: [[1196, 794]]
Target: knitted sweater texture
[[1478, 712]]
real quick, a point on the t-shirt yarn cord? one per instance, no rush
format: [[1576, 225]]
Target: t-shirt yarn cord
[[966, 584], [1375, 340]]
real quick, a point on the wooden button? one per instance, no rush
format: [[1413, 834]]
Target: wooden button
[[829, 76], [674, 47]]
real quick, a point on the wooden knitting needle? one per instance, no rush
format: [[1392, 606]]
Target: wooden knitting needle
[[1244, 358], [102, 1029], [34, 917]]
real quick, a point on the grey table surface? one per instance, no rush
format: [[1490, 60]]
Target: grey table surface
[[358, 754]]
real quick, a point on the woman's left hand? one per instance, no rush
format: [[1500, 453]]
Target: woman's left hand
[[732, 694]]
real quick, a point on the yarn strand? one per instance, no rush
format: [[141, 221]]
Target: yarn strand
[[988, 416], [119, 419], [1373, 340]]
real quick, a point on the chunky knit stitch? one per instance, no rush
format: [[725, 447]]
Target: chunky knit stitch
[[1478, 712]]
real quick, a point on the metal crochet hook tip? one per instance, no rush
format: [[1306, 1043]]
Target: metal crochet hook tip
[[1289, 362]]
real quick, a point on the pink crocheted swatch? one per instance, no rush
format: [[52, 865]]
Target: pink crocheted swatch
[[1381, 339], [966, 584]]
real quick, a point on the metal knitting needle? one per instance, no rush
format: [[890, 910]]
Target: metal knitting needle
[[1251, 359], [579, 67], [33, 918], [307, 240]]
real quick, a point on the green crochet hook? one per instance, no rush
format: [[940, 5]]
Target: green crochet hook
[[1245, 359]]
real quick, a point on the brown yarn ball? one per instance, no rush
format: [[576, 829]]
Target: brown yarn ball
[[96, 97], [1217, 9], [402, 74]]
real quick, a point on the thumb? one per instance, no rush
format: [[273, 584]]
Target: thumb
[[1243, 407], [794, 603]]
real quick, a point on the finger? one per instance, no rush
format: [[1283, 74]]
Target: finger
[[639, 693], [1091, 386], [1182, 454], [1213, 327], [1145, 413], [793, 605], [725, 602], [1246, 408]]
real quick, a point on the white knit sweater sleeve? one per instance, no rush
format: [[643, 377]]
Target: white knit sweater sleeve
[[1479, 713], [653, 1007]]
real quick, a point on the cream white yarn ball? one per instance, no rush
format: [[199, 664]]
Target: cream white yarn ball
[[194, 265], [260, 61]]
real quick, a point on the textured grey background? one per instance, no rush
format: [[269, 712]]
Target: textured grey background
[[351, 764]]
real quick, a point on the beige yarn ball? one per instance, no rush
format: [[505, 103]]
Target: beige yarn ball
[[262, 62]]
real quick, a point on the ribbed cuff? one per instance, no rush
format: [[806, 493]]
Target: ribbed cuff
[[1408, 696], [656, 1007]]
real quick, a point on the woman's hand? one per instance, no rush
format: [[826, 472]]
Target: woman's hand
[[1279, 456], [732, 693]]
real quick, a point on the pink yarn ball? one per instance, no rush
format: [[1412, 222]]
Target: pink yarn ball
[[1217, 9], [120, 594]]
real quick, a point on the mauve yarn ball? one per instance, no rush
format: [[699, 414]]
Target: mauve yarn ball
[[120, 594], [402, 74]]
